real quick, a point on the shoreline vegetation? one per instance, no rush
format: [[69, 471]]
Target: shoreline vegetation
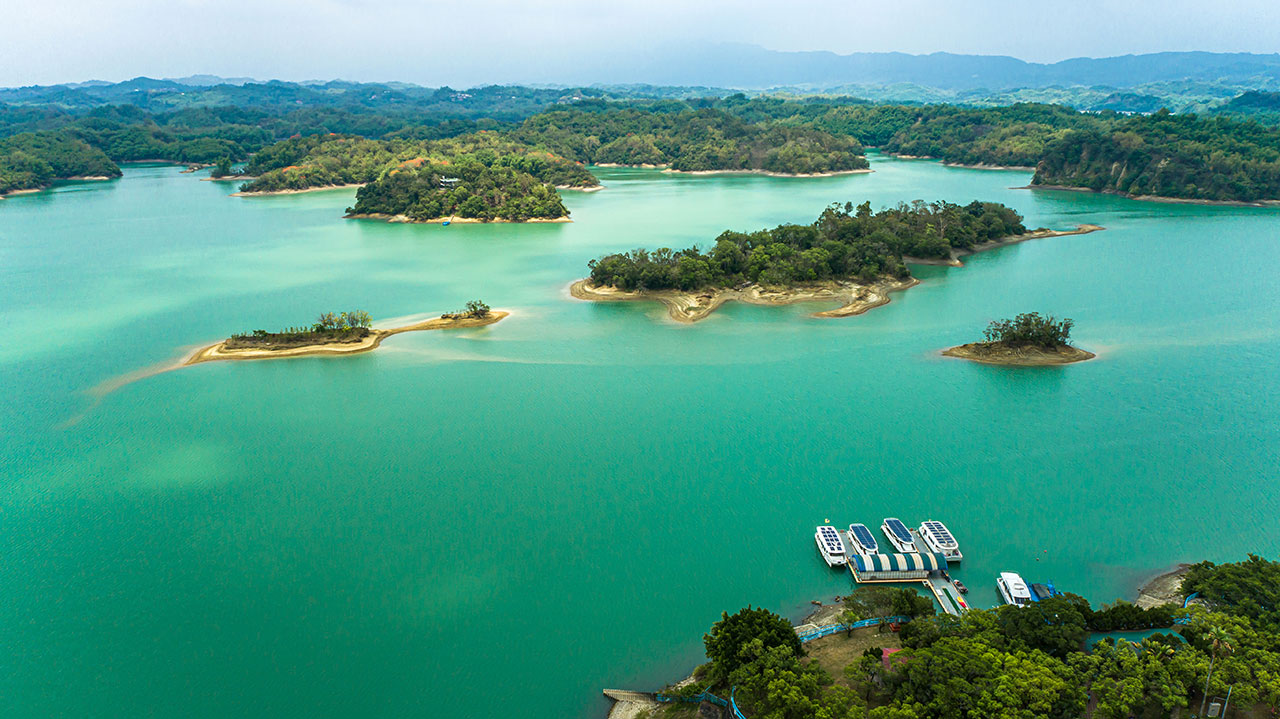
[[1063, 636], [856, 257], [1028, 340], [383, 217], [1155, 198], [347, 341], [288, 191]]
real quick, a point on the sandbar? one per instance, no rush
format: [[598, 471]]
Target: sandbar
[[995, 353], [218, 351], [691, 306]]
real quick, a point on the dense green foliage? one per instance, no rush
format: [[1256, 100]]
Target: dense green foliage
[[686, 139], [870, 601], [33, 160], [321, 161], [1181, 156], [844, 243], [1031, 662], [729, 637], [1168, 155], [328, 328], [1250, 588], [480, 186], [1030, 329]]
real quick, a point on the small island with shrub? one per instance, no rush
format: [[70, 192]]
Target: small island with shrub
[[341, 333], [1026, 340]]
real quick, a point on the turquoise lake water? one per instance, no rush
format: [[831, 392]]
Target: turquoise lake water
[[503, 521]]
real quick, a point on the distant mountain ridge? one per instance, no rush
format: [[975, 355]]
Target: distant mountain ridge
[[751, 67]]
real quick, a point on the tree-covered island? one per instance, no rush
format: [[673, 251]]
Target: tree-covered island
[[849, 253], [1028, 339], [341, 333]]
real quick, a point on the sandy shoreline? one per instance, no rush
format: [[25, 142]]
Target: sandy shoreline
[[693, 306], [581, 188], [1165, 588], [297, 192], [405, 219], [233, 178], [1156, 198], [218, 352], [1017, 357]]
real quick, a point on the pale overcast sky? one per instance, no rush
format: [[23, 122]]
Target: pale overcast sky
[[467, 42]]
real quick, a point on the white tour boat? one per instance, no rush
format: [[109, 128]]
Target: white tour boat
[[831, 546], [861, 541], [1013, 590], [899, 536], [938, 539]]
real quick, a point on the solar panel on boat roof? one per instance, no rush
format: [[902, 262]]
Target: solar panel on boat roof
[[863, 535], [940, 532], [897, 527]]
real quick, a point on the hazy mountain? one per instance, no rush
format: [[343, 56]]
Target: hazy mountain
[[748, 66]]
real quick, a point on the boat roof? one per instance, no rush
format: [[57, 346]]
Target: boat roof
[[863, 536], [1013, 582], [831, 539], [939, 532], [899, 529], [926, 561]]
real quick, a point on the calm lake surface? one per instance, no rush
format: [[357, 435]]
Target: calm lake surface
[[503, 521]]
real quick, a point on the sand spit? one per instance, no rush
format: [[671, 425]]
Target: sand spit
[[1039, 234], [218, 351], [692, 306]]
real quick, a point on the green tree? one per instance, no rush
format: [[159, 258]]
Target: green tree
[[727, 638]]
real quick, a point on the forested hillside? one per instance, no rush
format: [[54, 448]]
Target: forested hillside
[[321, 161], [480, 186], [688, 139]]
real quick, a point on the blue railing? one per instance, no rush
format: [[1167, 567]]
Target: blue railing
[[1190, 596], [696, 699], [733, 704], [829, 629]]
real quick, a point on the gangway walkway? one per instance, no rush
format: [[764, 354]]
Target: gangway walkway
[[947, 595]]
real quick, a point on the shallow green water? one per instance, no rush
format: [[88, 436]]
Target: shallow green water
[[506, 520]]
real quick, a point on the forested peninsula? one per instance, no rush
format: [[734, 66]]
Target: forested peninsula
[[849, 253], [1055, 658]]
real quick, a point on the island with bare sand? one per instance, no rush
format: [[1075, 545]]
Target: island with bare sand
[[849, 255], [1028, 340], [344, 333]]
